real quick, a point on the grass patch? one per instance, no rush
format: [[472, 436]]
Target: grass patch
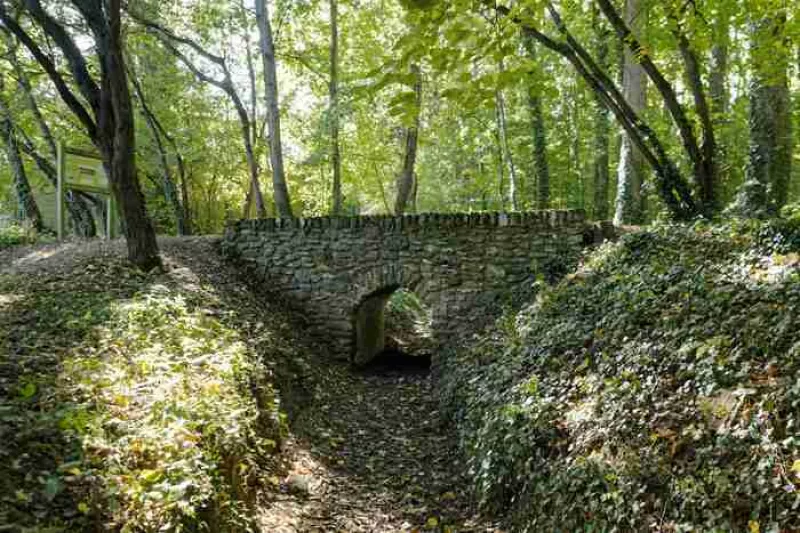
[[131, 403], [655, 389]]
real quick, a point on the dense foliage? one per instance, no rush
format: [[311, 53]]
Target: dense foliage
[[132, 402], [654, 389], [489, 102]]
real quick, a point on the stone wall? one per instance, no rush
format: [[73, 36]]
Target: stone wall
[[463, 266]]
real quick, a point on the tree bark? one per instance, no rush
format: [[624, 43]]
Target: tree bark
[[255, 187], [333, 90], [768, 171], [600, 160], [718, 92], [281, 191], [707, 179], [697, 157], [22, 188], [506, 150], [539, 131], [508, 157], [672, 187], [405, 181], [631, 170], [118, 145]]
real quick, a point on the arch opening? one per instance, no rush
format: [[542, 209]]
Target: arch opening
[[393, 331]]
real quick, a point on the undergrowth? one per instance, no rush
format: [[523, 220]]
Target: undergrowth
[[16, 235], [655, 389], [128, 403]]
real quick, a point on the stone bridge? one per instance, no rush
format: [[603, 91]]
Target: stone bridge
[[340, 272]]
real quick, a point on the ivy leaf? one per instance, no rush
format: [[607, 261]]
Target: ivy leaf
[[28, 390]]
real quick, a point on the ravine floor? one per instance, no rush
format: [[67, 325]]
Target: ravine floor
[[371, 455]]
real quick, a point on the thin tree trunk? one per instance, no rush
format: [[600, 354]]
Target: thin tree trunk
[[538, 127], [630, 173], [336, 162], [768, 172], [169, 40], [281, 192], [255, 186], [109, 118], [696, 155], [501, 168], [672, 187], [600, 160], [707, 179], [508, 157], [22, 188], [116, 119], [405, 181], [718, 85], [168, 183]]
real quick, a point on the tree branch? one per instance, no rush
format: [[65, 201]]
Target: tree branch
[[664, 88], [49, 67], [74, 57]]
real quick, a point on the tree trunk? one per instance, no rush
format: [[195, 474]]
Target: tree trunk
[[281, 192], [22, 188], [718, 87], [118, 145], [167, 182], [508, 157], [187, 210], [673, 188], [707, 178], [504, 147], [336, 162], [111, 126], [405, 181], [539, 131], [600, 160], [768, 170], [254, 193], [631, 169]]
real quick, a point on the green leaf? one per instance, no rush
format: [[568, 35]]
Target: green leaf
[[28, 390]]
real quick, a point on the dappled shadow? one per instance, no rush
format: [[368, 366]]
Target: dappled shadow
[[367, 451], [43, 319]]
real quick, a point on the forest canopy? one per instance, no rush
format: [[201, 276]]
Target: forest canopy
[[216, 110]]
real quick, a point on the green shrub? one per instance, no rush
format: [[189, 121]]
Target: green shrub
[[654, 389], [16, 235]]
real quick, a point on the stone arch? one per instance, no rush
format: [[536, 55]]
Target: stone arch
[[370, 295], [461, 264]]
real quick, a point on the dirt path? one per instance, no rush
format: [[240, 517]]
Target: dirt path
[[372, 456]]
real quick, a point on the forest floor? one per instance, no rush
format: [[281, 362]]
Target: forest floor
[[367, 450], [372, 455]]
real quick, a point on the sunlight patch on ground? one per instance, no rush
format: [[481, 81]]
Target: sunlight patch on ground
[[9, 299], [38, 255], [775, 268]]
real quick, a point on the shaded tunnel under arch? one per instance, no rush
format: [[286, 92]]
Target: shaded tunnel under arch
[[369, 331]]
